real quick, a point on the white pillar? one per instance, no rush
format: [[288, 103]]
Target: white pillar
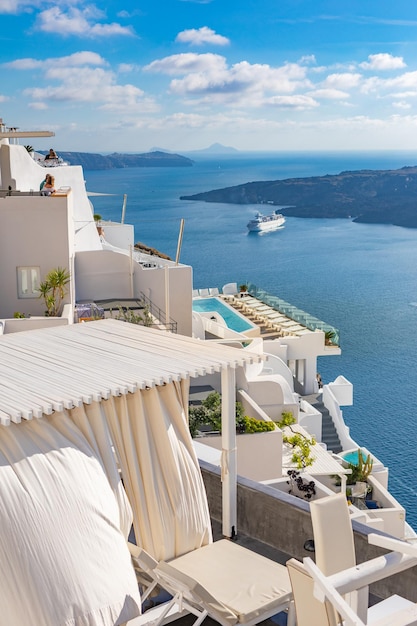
[[229, 452]]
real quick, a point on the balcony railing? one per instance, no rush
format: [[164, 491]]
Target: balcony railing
[[298, 315]]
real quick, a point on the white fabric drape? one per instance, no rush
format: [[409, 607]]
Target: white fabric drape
[[91, 421], [64, 560], [160, 469]]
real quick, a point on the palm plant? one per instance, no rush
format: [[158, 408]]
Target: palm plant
[[54, 289]]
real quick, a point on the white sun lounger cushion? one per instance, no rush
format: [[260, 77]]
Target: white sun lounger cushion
[[242, 582], [176, 581]]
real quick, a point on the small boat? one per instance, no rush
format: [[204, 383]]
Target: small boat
[[261, 222]]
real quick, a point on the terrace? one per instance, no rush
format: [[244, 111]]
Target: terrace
[[83, 388]]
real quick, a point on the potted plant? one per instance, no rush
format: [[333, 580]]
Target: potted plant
[[300, 487], [364, 468], [357, 480]]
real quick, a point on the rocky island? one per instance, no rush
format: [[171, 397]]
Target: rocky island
[[383, 197], [92, 161]]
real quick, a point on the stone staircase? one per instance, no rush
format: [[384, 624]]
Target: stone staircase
[[329, 434]]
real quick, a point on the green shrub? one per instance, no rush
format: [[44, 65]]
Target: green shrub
[[209, 413]]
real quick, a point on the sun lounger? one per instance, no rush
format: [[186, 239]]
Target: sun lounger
[[226, 582], [213, 291], [203, 292]]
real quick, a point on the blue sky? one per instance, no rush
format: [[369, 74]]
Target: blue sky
[[184, 74]]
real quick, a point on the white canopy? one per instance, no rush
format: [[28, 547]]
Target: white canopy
[[96, 387], [58, 368]]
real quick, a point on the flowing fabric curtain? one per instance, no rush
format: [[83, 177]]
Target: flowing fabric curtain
[[160, 469], [64, 560], [91, 421]]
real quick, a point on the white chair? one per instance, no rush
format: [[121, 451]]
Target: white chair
[[213, 291], [333, 535], [230, 289], [394, 611], [308, 610], [383, 541], [203, 292]]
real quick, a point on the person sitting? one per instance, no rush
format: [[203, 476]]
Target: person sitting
[[100, 231], [42, 185], [51, 155], [49, 187]]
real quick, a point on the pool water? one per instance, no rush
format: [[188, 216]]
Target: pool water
[[352, 457], [233, 320]]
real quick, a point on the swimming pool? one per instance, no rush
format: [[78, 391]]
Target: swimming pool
[[233, 319], [352, 456]]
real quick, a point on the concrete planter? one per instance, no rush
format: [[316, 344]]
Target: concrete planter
[[259, 455]]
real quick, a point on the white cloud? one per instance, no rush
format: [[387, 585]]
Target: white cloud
[[78, 59], [78, 22], [208, 79], [11, 6], [383, 61], [200, 36], [401, 105], [330, 94], [346, 80], [125, 68], [81, 78], [297, 102], [403, 94], [308, 59], [404, 82], [3, 98], [93, 85], [188, 62], [38, 106]]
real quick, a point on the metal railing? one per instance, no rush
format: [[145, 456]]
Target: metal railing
[[159, 314]]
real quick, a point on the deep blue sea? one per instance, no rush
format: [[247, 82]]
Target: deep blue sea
[[360, 278]]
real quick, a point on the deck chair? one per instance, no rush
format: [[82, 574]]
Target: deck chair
[[203, 292], [144, 565], [394, 611], [214, 291], [226, 582]]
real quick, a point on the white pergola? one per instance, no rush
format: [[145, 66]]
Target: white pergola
[[42, 371]]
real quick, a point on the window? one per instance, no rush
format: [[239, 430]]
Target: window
[[28, 280]]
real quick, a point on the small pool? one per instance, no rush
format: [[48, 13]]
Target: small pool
[[352, 457], [233, 320]]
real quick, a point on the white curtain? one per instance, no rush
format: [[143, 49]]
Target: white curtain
[[64, 514], [91, 421], [63, 558], [160, 470]]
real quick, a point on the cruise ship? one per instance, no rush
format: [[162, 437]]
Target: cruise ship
[[263, 223], [96, 456]]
